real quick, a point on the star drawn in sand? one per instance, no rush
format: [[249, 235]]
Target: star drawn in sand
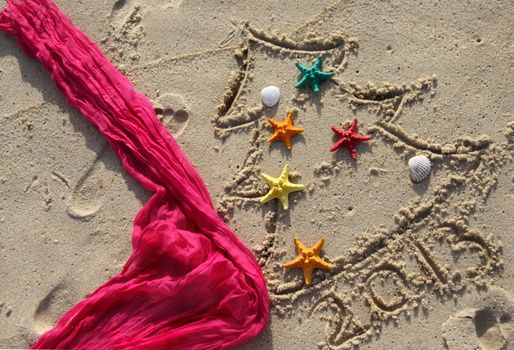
[[280, 187], [284, 131], [312, 76], [349, 139], [240, 111], [308, 259]]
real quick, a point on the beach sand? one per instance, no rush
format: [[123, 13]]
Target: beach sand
[[416, 266]]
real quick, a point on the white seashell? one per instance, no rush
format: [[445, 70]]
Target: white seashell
[[419, 167], [270, 95]]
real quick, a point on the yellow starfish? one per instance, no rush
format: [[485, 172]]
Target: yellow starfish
[[308, 259], [285, 130], [280, 187]]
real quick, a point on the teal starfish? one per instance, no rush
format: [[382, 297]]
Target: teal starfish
[[312, 76]]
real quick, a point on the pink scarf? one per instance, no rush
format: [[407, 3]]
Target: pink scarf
[[190, 283]]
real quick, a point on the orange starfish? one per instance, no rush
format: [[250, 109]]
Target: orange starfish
[[285, 130], [308, 259]]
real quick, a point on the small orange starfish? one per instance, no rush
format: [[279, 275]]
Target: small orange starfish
[[285, 130], [308, 259]]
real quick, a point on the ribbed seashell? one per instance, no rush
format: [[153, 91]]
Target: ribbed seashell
[[419, 167], [270, 95]]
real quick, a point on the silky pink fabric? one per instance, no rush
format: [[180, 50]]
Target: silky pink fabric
[[190, 283]]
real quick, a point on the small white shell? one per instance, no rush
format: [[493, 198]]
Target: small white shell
[[419, 167], [270, 95]]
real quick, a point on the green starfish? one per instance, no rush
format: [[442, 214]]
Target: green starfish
[[312, 76]]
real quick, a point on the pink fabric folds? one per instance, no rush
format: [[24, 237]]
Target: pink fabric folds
[[190, 283]]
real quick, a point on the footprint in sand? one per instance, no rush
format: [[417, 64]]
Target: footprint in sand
[[173, 111], [52, 306], [87, 195], [5, 309], [490, 326], [130, 22]]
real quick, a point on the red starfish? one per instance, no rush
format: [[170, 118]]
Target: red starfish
[[349, 139]]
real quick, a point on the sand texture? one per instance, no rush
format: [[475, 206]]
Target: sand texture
[[416, 266]]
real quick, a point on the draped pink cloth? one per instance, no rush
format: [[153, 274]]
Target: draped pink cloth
[[190, 283]]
